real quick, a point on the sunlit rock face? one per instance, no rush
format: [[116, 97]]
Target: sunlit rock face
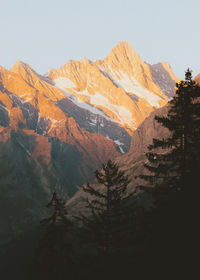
[[42, 148], [121, 87], [109, 97], [56, 129], [32, 108], [94, 107]]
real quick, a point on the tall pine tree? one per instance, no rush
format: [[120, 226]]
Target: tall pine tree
[[173, 178], [173, 162]]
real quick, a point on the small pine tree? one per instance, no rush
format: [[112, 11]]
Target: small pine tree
[[52, 255], [172, 162], [109, 222]]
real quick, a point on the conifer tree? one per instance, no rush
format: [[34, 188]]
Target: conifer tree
[[172, 162], [174, 166], [108, 224], [52, 255]]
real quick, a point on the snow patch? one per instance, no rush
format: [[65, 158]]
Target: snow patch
[[123, 114], [4, 107], [80, 103], [118, 142], [94, 121], [25, 94], [27, 100], [119, 145], [54, 123], [108, 138], [83, 92], [121, 150], [64, 83], [132, 85]]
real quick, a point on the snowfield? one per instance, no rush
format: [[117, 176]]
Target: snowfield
[[123, 114]]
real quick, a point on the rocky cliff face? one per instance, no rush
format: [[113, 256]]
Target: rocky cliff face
[[28, 106], [121, 88], [55, 130], [92, 106]]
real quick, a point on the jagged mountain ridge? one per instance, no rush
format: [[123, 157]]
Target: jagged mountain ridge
[[27, 105], [63, 132], [124, 87], [92, 106], [46, 150], [121, 103]]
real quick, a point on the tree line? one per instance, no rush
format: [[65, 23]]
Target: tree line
[[120, 237]]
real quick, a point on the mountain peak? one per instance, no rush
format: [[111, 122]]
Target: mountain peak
[[124, 44], [20, 65], [122, 51], [26, 72], [2, 68], [85, 59]]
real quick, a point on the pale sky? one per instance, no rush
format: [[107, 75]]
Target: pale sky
[[46, 33]]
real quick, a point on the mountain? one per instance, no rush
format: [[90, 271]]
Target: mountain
[[93, 107], [131, 162], [56, 129], [41, 150], [122, 86], [28, 107]]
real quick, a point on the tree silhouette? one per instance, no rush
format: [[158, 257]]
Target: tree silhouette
[[108, 224], [52, 255], [173, 178], [172, 162]]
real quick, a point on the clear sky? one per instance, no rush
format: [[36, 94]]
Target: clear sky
[[46, 33]]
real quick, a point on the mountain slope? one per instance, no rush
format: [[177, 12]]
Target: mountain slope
[[56, 130], [132, 162], [42, 149], [31, 111]]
